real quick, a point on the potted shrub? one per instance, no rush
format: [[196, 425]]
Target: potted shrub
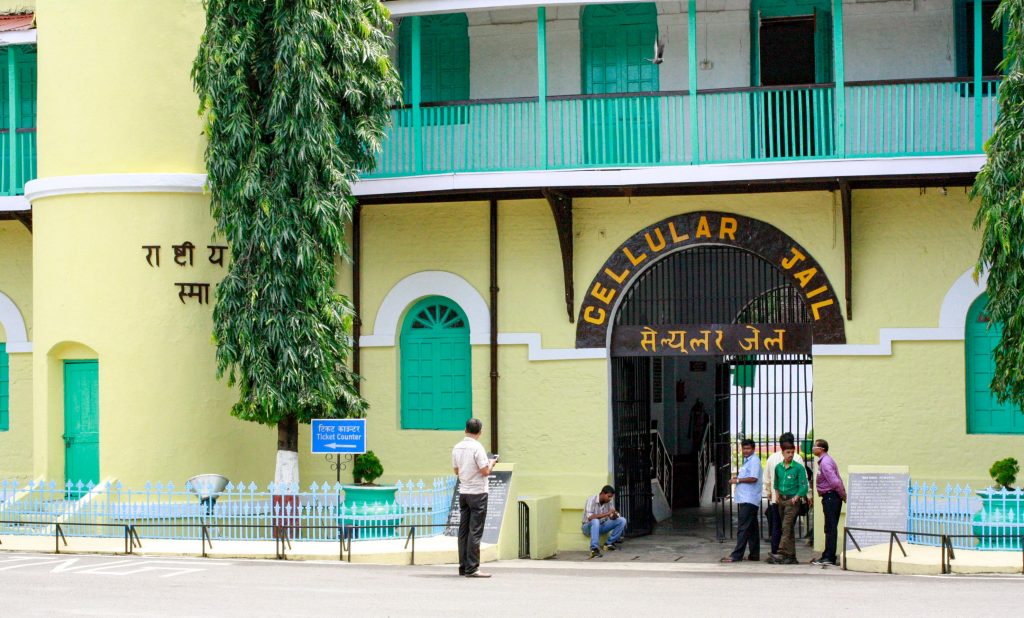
[[369, 504], [1000, 507]]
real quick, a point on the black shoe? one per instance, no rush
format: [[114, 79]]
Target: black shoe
[[773, 559], [823, 562], [596, 553], [754, 558], [789, 560], [613, 546]]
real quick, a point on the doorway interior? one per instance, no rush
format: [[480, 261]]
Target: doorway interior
[[678, 416]]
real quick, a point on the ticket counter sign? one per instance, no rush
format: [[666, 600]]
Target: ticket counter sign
[[344, 436]]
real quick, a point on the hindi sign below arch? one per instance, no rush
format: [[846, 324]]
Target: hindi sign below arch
[[339, 436], [695, 229]]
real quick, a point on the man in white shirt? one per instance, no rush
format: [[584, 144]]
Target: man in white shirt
[[600, 517], [471, 465], [773, 514]]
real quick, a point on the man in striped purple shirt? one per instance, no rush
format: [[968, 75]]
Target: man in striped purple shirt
[[833, 494]]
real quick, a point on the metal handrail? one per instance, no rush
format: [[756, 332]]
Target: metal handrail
[[281, 536], [947, 554], [661, 461]]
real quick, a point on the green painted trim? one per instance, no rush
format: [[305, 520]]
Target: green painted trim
[[417, 87], [440, 344], [12, 116], [81, 395], [542, 85], [5, 391], [985, 415], [978, 98], [691, 19], [839, 68]]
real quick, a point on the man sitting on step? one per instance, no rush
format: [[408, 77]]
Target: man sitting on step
[[600, 517]]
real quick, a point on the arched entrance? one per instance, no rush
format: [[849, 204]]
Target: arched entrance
[[710, 342]]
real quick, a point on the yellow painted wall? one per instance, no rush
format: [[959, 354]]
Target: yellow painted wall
[[134, 108], [16, 284], [163, 416]]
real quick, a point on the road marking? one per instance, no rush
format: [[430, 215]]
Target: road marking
[[122, 566]]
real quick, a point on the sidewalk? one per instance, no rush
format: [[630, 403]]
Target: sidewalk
[[429, 550]]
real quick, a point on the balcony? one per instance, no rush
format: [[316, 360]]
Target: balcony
[[908, 118], [873, 88]]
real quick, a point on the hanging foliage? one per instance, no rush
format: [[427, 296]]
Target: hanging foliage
[[1000, 188], [296, 97]]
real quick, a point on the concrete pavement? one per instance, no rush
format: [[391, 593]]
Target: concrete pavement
[[49, 585]]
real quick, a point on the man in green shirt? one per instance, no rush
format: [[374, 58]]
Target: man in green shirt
[[790, 489]]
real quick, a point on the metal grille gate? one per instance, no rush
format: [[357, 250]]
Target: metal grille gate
[[757, 396]]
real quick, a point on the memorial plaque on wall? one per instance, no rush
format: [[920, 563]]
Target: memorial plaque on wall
[[497, 489], [876, 500]]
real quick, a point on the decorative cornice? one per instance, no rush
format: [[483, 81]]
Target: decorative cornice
[[114, 183]]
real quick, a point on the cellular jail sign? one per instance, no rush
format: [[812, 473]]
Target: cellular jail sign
[[645, 247]]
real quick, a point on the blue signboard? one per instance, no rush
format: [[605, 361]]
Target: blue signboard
[[339, 435]]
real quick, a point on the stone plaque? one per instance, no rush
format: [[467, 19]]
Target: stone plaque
[[497, 489], [876, 500]]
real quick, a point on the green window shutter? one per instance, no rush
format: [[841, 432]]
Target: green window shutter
[[963, 32], [5, 381], [444, 49], [436, 378], [984, 413]]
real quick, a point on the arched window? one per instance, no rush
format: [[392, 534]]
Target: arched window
[[436, 381], [984, 413]]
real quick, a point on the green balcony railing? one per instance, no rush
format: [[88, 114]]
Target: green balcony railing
[[25, 159], [882, 119]]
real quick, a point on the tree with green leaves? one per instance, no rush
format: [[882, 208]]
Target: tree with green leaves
[[296, 96], [1000, 188]]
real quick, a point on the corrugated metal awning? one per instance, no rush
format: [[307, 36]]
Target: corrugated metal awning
[[13, 23]]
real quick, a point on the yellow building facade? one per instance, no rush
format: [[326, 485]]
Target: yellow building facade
[[120, 172]]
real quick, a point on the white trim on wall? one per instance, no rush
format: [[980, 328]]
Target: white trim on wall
[[669, 174], [114, 183], [952, 319], [422, 284], [14, 326], [959, 298], [18, 37], [441, 283], [14, 203], [672, 174]]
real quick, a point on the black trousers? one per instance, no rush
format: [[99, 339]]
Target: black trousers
[[472, 512], [747, 534], [774, 526], [831, 506]]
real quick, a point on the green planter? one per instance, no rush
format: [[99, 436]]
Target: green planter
[[370, 506], [1000, 514]]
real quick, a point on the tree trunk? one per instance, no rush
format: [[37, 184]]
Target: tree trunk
[[286, 472]]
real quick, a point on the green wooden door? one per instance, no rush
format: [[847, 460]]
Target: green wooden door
[[444, 58], [81, 421], [617, 44], [984, 413], [436, 379]]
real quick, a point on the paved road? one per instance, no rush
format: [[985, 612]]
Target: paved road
[[48, 585]]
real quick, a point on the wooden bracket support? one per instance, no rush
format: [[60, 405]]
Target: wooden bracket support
[[847, 199], [561, 208]]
